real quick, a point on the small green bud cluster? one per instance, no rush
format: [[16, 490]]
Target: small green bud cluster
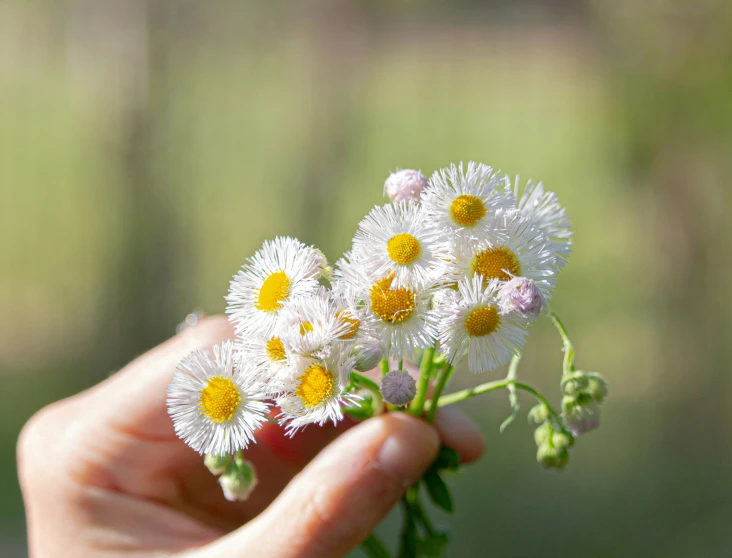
[[552, 440], [239, 480], [217, 464], [583, 394], [237, 476]]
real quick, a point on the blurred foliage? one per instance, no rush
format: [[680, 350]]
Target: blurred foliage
[[148, 147]]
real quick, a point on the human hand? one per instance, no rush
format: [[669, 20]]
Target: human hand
[[104, 475]]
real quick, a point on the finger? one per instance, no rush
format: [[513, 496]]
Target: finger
[[460, 433], [133, 399], [337, 500]]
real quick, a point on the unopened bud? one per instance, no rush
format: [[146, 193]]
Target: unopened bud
[[217, 464], [538, 414], [398, 388], [368, 356], [580, 413], [239, 481], [543, 433], [405, 185], [575, 383], [325, 270], [552, 457], [521, 295], [562, 440], [596, 387]]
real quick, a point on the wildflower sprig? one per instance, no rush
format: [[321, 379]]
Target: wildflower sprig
[[450, 274]]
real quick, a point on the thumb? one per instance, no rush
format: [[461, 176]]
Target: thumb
[[340, 497]]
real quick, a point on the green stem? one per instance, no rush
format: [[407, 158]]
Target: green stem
[[364, 382], [442, 378], [462, 395], [384, 367], [568, 363], [408, 535], [374, 547], [425, 371], [421, 516], [373, 387], [513, 367]]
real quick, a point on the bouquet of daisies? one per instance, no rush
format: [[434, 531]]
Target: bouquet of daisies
[[450, 274]]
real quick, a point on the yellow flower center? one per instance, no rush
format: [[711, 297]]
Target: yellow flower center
[[467, 210], [273, 291], [315, 386], [219, 399], [496, 263], [482, 321], [305, 328], [352, 325], [403, 248], [275, 349], [391, 305]]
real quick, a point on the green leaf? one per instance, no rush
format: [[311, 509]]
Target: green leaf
[[408, 536], [361, 409], [432, 546], [447, 459], [374, 548], [438, 491]]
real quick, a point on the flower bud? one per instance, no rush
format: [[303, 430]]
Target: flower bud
[[543, 433], [552, 457], [580, 413], [368, 356], [538, 414], [325, 270], [575, 384], [239, 481], [217, 464], [562, 440], [405, 185], [521, 295], [596, 387], [398, 388]]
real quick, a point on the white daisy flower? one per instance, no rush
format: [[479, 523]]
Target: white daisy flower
[[312, 325], [316, 391], [471, 323], [511, 247], [398, 316], [215, 405], [543, 209], [394, 239], [463, 201], [282, 270], [269, 358], [401, 317], [352, 310]]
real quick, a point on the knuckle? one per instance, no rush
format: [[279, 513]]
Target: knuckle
[[35, 435]]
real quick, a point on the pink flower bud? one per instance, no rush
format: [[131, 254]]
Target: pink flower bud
[[521, 295], [405, 185]]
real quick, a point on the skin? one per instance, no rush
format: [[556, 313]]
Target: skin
[[104, 475]]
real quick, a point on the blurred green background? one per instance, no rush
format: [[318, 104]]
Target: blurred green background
[[148, 147]]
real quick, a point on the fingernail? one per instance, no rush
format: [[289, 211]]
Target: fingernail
[[409, 449]]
